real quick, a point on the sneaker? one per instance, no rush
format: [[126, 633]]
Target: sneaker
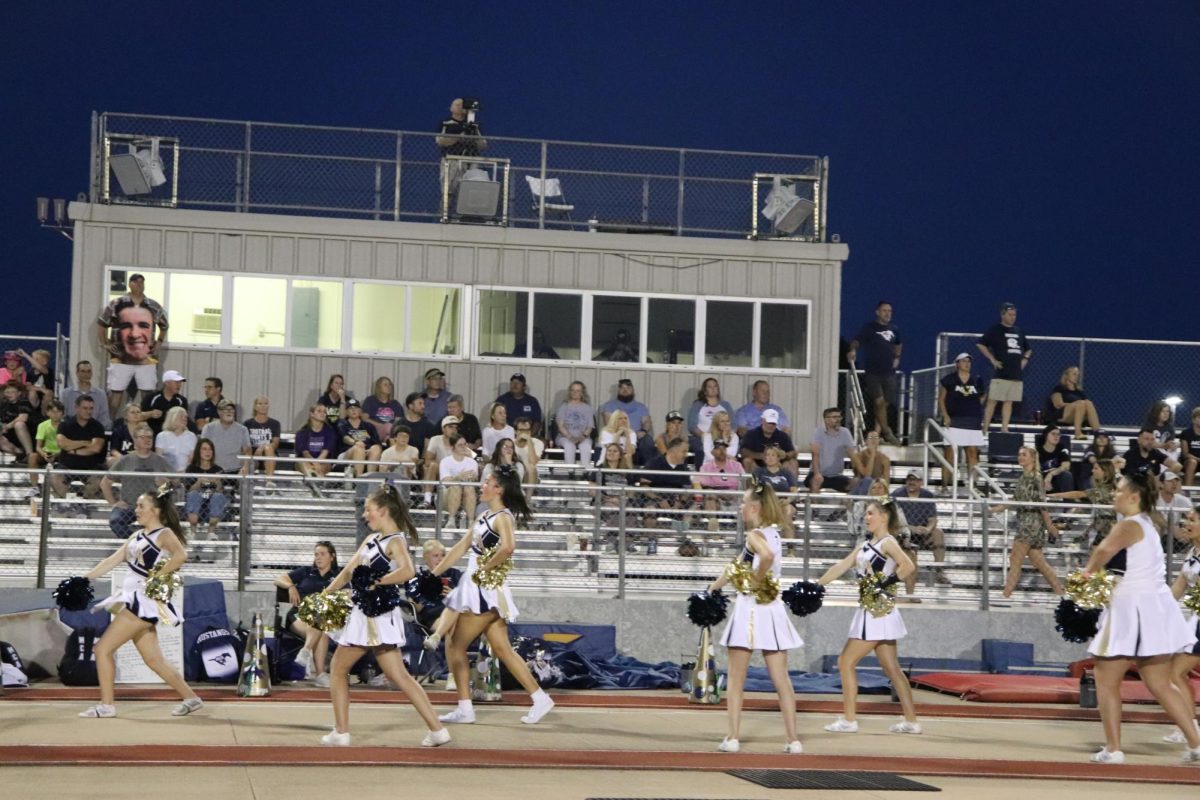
[[1190, 756], [436, 738], [793, 748], [100, 711], [458, 717], [541, 707], [891, 439], [379, 681], [335, 739], [322, 681], [652, 547], [432, 641], [1105, 756], [728, 745], [1175, 737], [451, 684], [842, 725], [187, 707], [904, 726], [305, 659]]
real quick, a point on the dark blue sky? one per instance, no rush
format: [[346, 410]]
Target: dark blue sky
[[1040, 152]]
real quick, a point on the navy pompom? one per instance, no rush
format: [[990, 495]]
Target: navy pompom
[[804, 597], [1074, 623], [74, 594], [373, 602], [426, 587], [707, 608]]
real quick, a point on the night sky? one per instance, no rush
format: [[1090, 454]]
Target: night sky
[[1044, 153]]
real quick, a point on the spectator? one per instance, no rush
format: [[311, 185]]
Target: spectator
[[667, 471], [920, 512], [315, 443], [1070, 405], [960, 402], [420, 430], [831, 445], [468, 424], [1189, 442], [125, 331], [617, 431], [498, 427], [1146, 456], [143, 459], [706, 405], [749, 416], [1101, 449], [674, 430], [176, 443], [519, 404], [265, 435], [13, 370], [769, 434], [619, 349], [81, 447], [1034, 526], [1054, 458], [528, 449], [156, 406], [719, 472], [505, 454], [1100, 491], [613, 471], [871, 465], [781, 480], [39, 379], [459, 135], [16, 421], [45, 441], [1160, 419], [721, 428], [230, 439], [402, 456], [381, 408], [121, 441], [882, 344], [459, 474], [437, 449], [357, 440], [206, 409], [638, 415], [1006, 348], [436, 397], [576, 421], [300, 583], [1174, 507], [541, 348], [83, 385], [428, 612], [206, 494], [334, 399]]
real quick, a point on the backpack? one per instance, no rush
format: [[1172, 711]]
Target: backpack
[[12, 668], [220, 654], [78, 665]]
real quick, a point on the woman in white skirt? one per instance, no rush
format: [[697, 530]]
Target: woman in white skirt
[[483, 610], [135, 616], [760, 626], [1142, 625], [386, 548], [880, 553], [1183, 663]]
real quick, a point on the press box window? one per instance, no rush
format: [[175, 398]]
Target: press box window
[[379, 317], [194, 305], [259, 312], [616, 328], [317, 315], [556, 328], [783, 336], [671, 332], [729, 334], [503, 322], [434, 324]]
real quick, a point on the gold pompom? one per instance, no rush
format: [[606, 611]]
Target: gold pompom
[[876, 599], [1091, 592], [495, 577], [325, 611], [1191, 599], [160, 586], [741, 577]]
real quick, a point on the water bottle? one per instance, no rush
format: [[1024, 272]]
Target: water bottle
[[1087, 689]]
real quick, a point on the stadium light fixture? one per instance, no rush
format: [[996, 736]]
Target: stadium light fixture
[[1173, 401]]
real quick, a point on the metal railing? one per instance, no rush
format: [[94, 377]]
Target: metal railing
[[387, 174]]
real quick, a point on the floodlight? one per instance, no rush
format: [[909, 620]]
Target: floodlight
[[139, 171], [43, 209], [785, 209], [477, 198]]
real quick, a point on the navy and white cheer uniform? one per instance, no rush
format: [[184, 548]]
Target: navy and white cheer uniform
[[1143, 618], [142, 552], [469, 596], [871, 558], [388, 628], [1191, 573], [761, 626]]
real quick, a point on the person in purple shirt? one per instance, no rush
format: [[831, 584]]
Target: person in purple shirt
[[315, 443]]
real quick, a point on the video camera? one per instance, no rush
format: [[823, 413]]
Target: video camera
[[470, 105]]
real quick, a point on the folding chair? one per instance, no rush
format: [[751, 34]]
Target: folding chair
[[549, 195]]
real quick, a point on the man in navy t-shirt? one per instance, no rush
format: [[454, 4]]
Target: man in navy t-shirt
[[1006, 349], [881, 346], [519, 404]]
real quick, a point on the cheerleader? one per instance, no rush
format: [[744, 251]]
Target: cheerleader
[[386, 548], [484, 610], [1142, 625], [760, 626], [881, 553], [1183, 663], [136, 616]]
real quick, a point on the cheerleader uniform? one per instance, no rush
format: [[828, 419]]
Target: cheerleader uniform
[[761, 626], [871, 558], [1143, 618], [1191, 571], [469, 596], [141, 553], [388, 628]]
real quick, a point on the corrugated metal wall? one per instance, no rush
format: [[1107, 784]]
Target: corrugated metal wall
[[163, 239]]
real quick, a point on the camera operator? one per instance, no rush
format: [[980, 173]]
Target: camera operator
[[460, 136]]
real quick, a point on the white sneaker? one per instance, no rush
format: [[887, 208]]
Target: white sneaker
[[187, 707], [451, 686], [793, 748], [1191, 755], [432, 641], [1105, 756], [728, 745], [335, 739], [541, 707], [99, 711], [1175, 737], [904, 726], [379, 681], [436, 738], [322, 680], [842, 725], [458, 716], [305, 659]]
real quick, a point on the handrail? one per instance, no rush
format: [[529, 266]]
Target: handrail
[[857, 405]]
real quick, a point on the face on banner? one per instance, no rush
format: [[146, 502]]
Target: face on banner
[[133, 333]]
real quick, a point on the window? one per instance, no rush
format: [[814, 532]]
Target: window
[[783, 337], [434, 323], [503, 321], [118, 284], [616, 327], [259, 311], [379, 317], [316, 315], [556, 327], [729, 334], [194, 305], [671, 331]]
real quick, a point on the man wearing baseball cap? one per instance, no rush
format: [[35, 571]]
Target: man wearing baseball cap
[[960, 403], [769, 434], [1005, 347], [519, 404], [1174, 506], [435, 394], [155, 407]]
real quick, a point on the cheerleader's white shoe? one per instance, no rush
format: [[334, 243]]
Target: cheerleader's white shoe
[[1175, 737], [335, 739], [842, 725], [1191, 755], [458, 716], [436, 738], [793, 748], [904, 726], [728, 745], [99, 711], [541, 707], [187, 707], [1106, 756]]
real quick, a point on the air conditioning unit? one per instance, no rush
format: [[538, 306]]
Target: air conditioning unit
[[207, 320]]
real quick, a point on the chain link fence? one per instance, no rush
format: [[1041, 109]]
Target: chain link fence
[[382, 174]]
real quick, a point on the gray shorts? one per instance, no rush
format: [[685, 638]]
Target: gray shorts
[[1001, 390], [879, 386]]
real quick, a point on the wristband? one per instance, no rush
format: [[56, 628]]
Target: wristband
[[890, 580]]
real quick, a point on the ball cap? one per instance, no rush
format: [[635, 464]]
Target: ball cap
[[518, 376], [352, 403], [1169, 476], [673, 415], [1006, 306], [771, 416], [961, 356], [173, 375], [449, 420], [433, 373], [912, 475]]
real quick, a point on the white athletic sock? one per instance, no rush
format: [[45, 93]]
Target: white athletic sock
[[539, 696], [466, 706]]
